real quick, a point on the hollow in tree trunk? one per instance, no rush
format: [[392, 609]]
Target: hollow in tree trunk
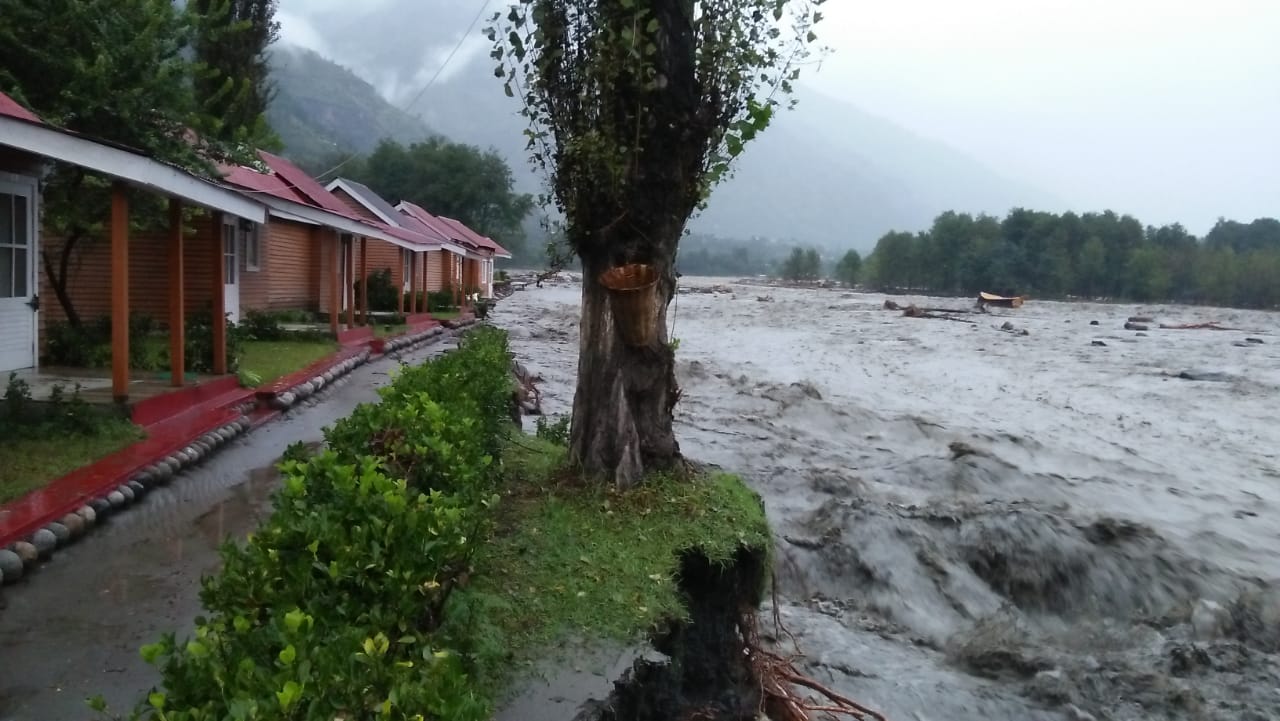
[[625, 399]]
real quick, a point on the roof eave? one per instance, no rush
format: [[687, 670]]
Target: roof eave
[[129, 166]]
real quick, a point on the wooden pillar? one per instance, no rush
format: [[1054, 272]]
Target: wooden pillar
[[335, 284], [364, 280], [177, 296], [413, 283], [426, 260], [400, 288], [119, 293], [348, 288], [219, 297]]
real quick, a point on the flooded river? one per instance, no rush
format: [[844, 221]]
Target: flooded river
[[1076, 523]]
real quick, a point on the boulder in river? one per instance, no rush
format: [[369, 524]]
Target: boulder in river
[[1099, 343], [1131, 325]]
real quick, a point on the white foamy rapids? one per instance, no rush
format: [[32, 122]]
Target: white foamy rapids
[[1025, 523]]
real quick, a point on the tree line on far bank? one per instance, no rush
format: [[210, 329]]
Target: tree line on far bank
[[1050, 255]]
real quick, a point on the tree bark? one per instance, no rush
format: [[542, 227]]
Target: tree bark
[[58, 276], [625, 399]]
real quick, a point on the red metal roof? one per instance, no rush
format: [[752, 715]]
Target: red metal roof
[[441, 228], [482, 242], [304, 184], [11, 108]]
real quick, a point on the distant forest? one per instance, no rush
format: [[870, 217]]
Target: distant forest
[[702, 254], [1094, 255]]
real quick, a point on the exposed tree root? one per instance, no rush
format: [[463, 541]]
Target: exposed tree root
[[783, 687]]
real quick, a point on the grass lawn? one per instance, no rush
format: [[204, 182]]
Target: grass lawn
[[272, 359], [569, 561], [445, 314], [30, 464], [382, 330]]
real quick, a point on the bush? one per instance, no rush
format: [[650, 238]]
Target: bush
[[441, 300], [199, 344], [89, 346], [22, 417], [261, 325], [382, 293], [556, 431], [337, 606]]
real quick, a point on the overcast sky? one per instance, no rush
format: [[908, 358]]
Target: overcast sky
[[1168, 109]]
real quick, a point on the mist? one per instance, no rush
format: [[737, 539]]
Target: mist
[[1165, 110]]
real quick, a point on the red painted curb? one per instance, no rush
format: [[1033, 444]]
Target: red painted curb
[[28, 514]]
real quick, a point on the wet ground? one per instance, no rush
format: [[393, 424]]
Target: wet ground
[[1076, 523], [72, 630]]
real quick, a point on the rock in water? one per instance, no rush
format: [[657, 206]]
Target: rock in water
[[11, 566], [1099, 343], [1135, 326], [1208, 619]]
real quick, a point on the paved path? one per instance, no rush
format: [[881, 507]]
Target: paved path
[[73, 629]]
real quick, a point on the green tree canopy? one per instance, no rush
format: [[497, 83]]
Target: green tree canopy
[[231, 83], [1091, 255], [452, 179], [802, 264], [849, 269], [112, 69], [636, 110]]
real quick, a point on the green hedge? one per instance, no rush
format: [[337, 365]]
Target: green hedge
[[338, 606]]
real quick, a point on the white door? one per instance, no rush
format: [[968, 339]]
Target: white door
[[231, 269], [406, 270], [18, 283]]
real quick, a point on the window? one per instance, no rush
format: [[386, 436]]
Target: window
[[229, 254], [406, 266], [15, 245], [252, 245]]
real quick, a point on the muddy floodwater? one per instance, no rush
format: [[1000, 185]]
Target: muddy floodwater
[[1082, 522]]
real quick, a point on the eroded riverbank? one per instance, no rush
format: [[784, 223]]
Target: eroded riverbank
[[980, 525]]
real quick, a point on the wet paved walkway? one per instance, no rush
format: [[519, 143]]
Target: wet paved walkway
[[73, 629]]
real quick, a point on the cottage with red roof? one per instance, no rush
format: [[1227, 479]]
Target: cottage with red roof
[[166, 274], [316, 248]]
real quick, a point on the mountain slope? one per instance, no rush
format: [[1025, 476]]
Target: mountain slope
[[826, 174], [323, 111]]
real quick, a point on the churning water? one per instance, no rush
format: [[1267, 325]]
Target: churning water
[[979, 524]]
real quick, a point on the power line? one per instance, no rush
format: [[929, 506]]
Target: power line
[[405, 108]]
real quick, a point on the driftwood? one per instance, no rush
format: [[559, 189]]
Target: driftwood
[[912, 311], [526, 398], [1211, 325]]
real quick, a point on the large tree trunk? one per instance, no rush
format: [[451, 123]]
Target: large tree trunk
[[625, 399]]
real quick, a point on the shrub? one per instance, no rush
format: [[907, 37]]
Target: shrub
[[329, 611], [337, 606], [440, 424], [441, 300], [199, 344], [382, 293], [261, 325], [22, 417], [556, 431]]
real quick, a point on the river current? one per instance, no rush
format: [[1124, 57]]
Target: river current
[[1079, 522]]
